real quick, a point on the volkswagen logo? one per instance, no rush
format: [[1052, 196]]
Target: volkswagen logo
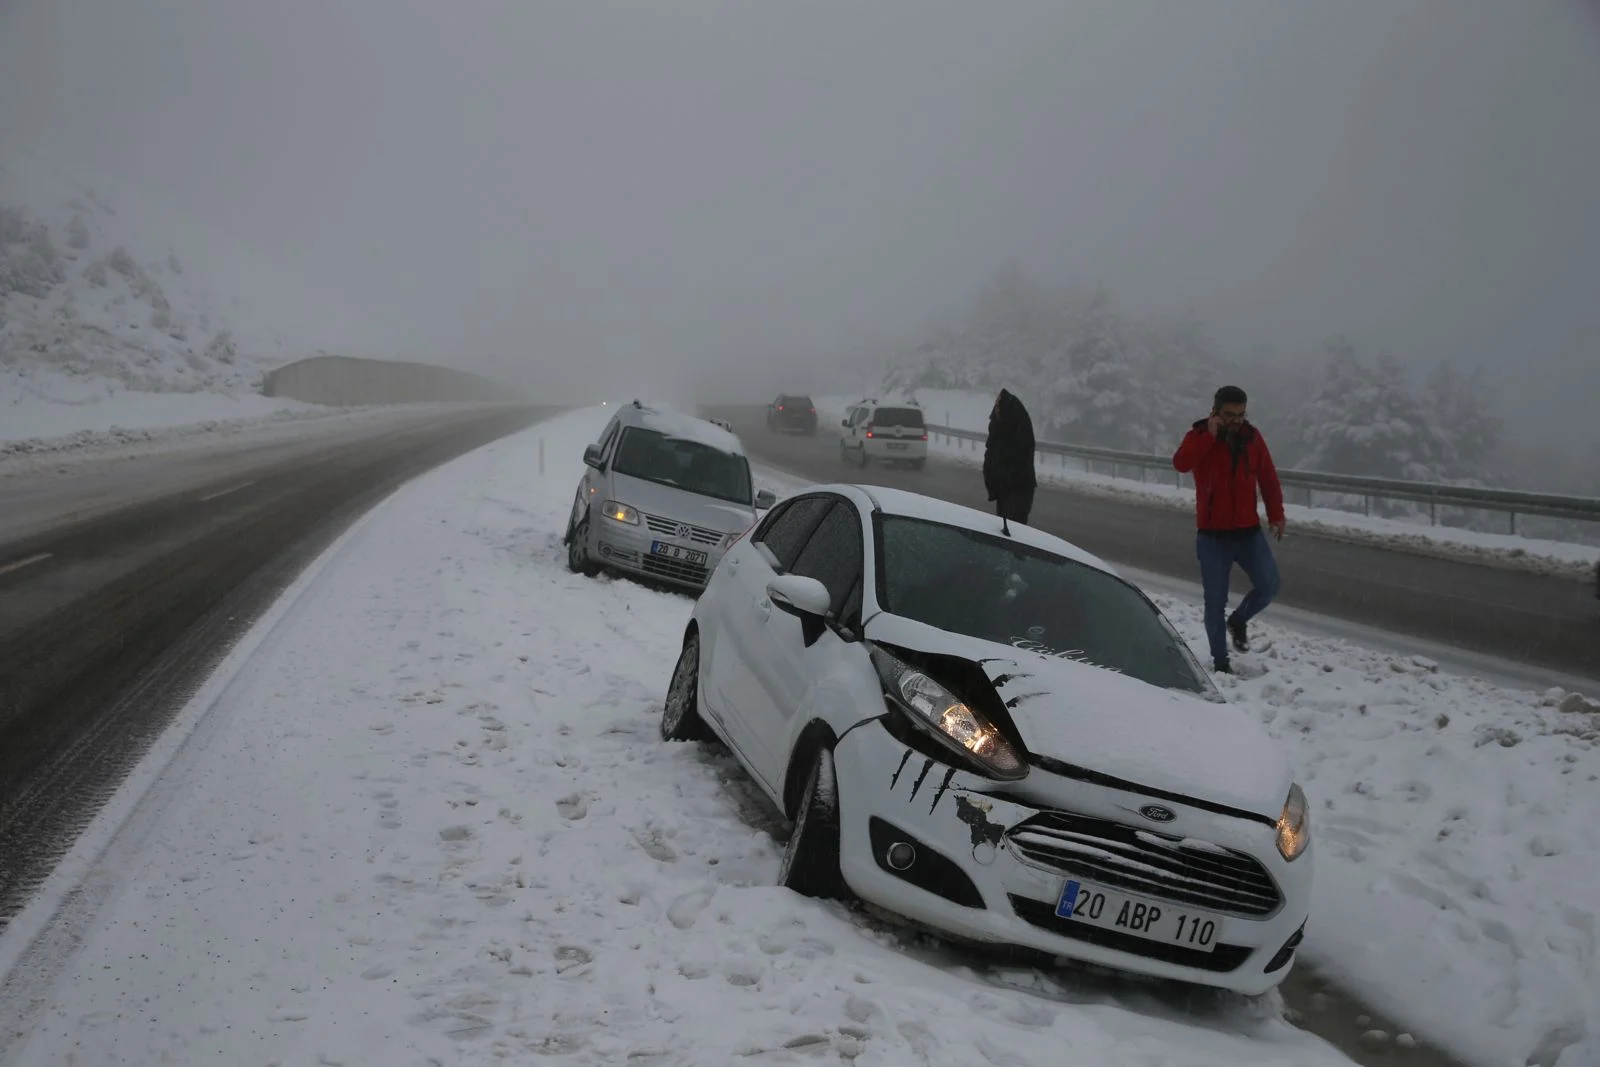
[[1156, 813], [683, 531]]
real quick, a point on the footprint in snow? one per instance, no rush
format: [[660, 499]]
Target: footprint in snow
[[685, 910], [573, 807], [570, 956]]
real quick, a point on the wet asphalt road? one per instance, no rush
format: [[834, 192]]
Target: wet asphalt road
[[1542, 621], [116, 600]]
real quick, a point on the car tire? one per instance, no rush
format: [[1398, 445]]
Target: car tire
[[680, 712], [863, 460], [918, 464], [578, 561], [844, 453], [811, 859]]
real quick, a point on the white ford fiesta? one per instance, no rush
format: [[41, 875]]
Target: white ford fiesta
[[989, 732]]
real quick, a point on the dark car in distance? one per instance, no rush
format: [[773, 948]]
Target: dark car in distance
[[792, 411]]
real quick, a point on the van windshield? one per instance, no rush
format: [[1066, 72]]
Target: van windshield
[[690, 465]]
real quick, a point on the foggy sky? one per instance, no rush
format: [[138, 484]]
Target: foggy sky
[[609, 197]]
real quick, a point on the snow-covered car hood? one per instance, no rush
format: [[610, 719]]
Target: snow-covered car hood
[[681, 504], [1107, 722]]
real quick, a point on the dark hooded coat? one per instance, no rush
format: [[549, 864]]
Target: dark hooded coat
[[1008, 453]]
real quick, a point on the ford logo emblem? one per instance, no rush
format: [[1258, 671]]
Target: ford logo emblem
[[1156, 813]]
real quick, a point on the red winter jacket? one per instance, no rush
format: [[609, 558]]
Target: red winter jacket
[[1225, 483]]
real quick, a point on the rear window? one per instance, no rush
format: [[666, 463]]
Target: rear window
[[911, 417], [796, 401]]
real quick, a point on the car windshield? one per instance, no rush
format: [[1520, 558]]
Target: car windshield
[[686, 464], [992, 588], [911, 417]]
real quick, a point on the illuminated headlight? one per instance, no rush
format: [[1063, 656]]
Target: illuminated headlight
[[1294, 825], [939, 713], [619, 513]]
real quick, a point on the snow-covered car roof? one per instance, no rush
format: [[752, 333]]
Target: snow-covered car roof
[[918, 506], [690, 428]]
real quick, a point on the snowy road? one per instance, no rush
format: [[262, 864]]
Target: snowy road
[[108, 620], [421, 815]]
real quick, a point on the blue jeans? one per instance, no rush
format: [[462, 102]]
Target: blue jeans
[[1217, 556]]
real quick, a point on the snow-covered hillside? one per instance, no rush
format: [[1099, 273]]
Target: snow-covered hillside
[[106, 322]]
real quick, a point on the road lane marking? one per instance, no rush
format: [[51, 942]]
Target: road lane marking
[[225, 492], [21, 563]]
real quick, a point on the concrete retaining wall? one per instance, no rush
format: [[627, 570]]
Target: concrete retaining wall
[[343, 381]]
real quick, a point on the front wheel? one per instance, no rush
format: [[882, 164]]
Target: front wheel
[[578, 561], [811, 859], [680, 715]]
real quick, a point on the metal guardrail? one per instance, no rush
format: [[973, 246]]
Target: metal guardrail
[[1436, 495]]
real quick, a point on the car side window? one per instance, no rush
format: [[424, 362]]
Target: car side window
[[608, 439], [785, 531], [833, 557]]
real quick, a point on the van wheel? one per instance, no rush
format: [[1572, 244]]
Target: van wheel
[[811, 859], [578, 561], [918, 464], [863, 460]]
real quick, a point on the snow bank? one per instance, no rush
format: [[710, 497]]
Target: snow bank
[[1457, 826], [971, 411], [433, 822]]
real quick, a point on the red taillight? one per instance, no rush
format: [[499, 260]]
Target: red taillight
[[813, 411], [869, 433], [924, 437]]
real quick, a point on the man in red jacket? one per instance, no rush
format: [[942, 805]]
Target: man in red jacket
[[1230, 462]]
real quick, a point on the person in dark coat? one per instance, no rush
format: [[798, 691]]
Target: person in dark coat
[[1008, 459]]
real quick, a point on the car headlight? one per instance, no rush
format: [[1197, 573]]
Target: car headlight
[[1294, 825], [942, 715], [616, 512]]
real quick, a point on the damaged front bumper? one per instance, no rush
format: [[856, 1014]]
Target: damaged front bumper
[[991, 861]]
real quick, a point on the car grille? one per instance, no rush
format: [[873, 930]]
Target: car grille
[[669, 528], [1149, 864], [674, 570]]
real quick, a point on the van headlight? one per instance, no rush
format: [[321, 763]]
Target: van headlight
[[618, 512], [940, 714], [1294, 825]]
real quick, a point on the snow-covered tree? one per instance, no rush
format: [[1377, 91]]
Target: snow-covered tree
[[1367, 420], [1103, 400], [1461, 409], [77, 233], [1186, 367]]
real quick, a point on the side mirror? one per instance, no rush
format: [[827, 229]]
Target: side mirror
[[844, 423], [800, 596], [591, 456], [765, 499]]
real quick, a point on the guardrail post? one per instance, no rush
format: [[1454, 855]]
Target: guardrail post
[[541, 455], [1366, 504], [1513, 523], [1433, 513]]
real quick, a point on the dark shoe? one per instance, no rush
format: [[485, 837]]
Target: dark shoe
[[1241, 636], [1222, 668]]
